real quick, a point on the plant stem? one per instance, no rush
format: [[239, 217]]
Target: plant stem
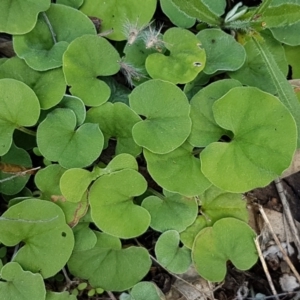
[[26, 130], [50, 27], [156, 193]]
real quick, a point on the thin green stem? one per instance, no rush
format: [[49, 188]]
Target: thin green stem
[[50, 27], [26, 130], [156, 193]]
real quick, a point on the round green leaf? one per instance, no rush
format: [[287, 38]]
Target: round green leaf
[[116, 16], [111, 203], [263, 144], [42, 227], [287, 34], [16, 156], [72, 3], [97, 58], [108, 266], [185, 61], [166, 108], [229, 239], [170, 255], [47, 180], [19, 16], [14, 95], [85, 238], [178, 171], [173, 211], [223, 52], [74, 183], [48, 94], [116, 120], [38, 47], [292, 58], [205, 130], [59, 140], [145, 290], [16, 280], [177, 16]]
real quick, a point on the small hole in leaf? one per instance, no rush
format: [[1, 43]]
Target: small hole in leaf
[[213, 41], [197, 64], [63, 234]]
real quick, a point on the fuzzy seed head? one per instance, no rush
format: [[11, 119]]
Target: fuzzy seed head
[[131, 72], [132, 31], [153, 38]]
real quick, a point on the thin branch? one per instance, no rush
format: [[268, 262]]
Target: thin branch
[[264, 265], [26, 130], [111, 295], [284, 255], [23, 173]]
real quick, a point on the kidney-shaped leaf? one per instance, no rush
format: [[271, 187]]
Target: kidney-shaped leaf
[[14, 96], [59, 296], [218, 45], [229, 239], [74, 183], [185, 61], [166, 108], [265, 138], [59, 140], [97, 58], [108, 266], [116, 17], [170, 255], [144, 290], [111, 203], [16, 280], [173, 211], [116, 120], [42, 227], [43, 47], [19, 16], [48, 94], [178, 171], [205, 130]]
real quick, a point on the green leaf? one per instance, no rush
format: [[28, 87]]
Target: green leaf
[[14, 280], [19, 16], [41, 226], [59, 140], [255, 71], [288, 34], [185, 60], [108, 266], [47, 181], [217, 204], [197, 9], [48, 94], [116, 17], [111, 204], [263, 144], [292, 58], [217, 7], [205, 130], [173, 211], [74, 183], [43, 50], [144, 290], [15, 94], [283, 88], [229, 239], [188, 236], [167, 124], [72, 3], [217, 45], [170, 255], [85, 238], [97, 58], [59, 296], [177, 17], [280, 16], [116, 120], [178, 171], [15, 156]]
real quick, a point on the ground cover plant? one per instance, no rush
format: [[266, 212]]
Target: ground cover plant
[[142, 118]]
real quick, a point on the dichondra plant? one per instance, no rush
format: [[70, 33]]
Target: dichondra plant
[[156, 128]]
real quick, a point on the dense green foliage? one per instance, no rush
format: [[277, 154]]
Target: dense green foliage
[[199, 104]]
